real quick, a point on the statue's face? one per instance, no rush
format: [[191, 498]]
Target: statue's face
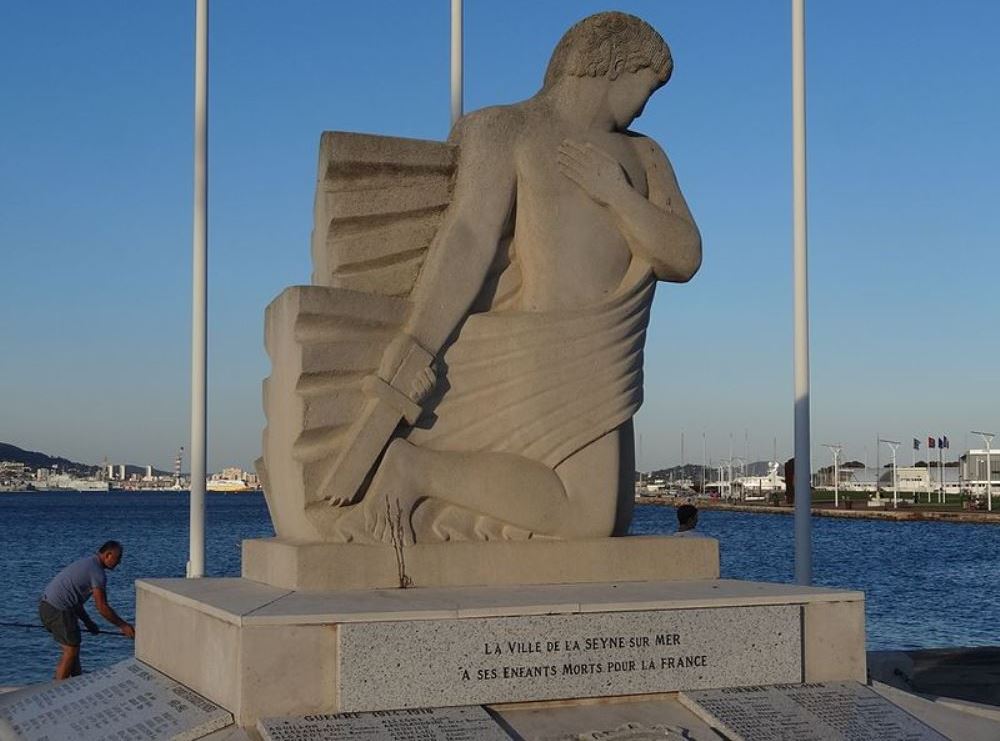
[[628, 93]]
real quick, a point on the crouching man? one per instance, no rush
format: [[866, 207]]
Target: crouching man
[[61, 607]]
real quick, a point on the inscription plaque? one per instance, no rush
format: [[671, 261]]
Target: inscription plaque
[[125, 701], [819, 711], [470, 723], [435, 663]]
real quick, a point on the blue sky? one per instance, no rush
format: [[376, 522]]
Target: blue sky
[[95, 222]]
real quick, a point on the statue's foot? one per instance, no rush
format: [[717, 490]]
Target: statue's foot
[[389, 503]]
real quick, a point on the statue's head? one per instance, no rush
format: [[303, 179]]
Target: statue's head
[[609, 45]]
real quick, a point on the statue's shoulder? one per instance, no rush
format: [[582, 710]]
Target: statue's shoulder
[[647, 148], [495, 125]]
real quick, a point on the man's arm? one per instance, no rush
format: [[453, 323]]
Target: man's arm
[[85, 619], [466, 243], [108, 613], [660, 229]]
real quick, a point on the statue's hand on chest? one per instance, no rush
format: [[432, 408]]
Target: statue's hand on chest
[[599, 174]]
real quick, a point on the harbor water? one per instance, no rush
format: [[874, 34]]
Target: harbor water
[[927, 584]]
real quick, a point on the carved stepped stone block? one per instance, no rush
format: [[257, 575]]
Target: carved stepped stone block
[[379, 201], [323, 342]]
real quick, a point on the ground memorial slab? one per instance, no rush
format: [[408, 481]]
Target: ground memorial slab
[[126, 701], [470, 723], [819, 711], [433, 663]]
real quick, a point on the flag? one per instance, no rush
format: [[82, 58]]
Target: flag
[[930, 442], [916, 444], [940, 443], [944, 443]]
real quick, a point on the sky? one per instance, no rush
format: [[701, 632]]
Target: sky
[[96, 142]]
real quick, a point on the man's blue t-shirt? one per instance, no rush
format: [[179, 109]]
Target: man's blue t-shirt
[[72, 586]]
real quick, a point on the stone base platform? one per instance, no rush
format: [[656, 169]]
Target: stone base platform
[[328, 566], [260, 651]]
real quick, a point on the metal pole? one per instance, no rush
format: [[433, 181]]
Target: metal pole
[[989, 478], [988, 440], [878, 467], [199, 298], [895, 488], [835, 449], [893, 444], [456, 60], [836, 479], [803, 467], [941, 495], [704, 464], [729, 472], [930, 482]]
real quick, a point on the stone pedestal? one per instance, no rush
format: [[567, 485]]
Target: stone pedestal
[[260, 650], [331, 566]]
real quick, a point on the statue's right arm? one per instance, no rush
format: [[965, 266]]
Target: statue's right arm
[[465, 245]]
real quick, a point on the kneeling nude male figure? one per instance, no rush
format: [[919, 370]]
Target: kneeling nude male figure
[[535, 298]]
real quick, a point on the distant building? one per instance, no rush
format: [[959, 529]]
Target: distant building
[[149, 474], [121, 472], [972, 466], [111, 472], [12, 472], [912, 478], [13, 469]]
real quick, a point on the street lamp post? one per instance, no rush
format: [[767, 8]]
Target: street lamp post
[[743, 473], [835, 449], [988, 439], [894, 445]]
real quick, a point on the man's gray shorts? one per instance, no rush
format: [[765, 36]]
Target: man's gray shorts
[[62, 624]]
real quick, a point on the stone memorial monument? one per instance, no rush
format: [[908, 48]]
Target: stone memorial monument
[[468, 360], [467, 363], [450, 410]]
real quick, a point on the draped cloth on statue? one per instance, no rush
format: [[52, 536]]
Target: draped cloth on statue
[[542, 385]]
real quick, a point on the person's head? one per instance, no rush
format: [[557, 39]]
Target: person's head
[[619, 48], [110, 554], [687, 516]]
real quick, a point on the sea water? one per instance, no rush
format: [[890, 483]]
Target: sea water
[[927, 584]]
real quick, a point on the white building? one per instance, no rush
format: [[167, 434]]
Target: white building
[[972, 466], [912, 478]]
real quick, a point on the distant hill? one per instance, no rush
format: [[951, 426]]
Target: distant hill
[[693, 471], [35, 459]]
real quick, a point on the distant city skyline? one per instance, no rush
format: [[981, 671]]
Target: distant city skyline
[[903, 187]]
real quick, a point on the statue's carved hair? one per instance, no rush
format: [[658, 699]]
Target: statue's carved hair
[[594, 47]]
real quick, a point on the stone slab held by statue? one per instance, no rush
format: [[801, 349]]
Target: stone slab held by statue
[[468, 360]]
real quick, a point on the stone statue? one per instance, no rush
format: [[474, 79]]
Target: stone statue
[[468, 360]]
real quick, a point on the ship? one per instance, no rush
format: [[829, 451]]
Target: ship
[[229, 486], [65, 482]]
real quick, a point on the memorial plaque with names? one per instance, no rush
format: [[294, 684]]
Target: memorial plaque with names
[[470, 723], [818, 711], [478, 661], [128, 700]]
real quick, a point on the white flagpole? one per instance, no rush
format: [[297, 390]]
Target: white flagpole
[[930, 480], [456, 61], [199, 299], [803, 467]]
